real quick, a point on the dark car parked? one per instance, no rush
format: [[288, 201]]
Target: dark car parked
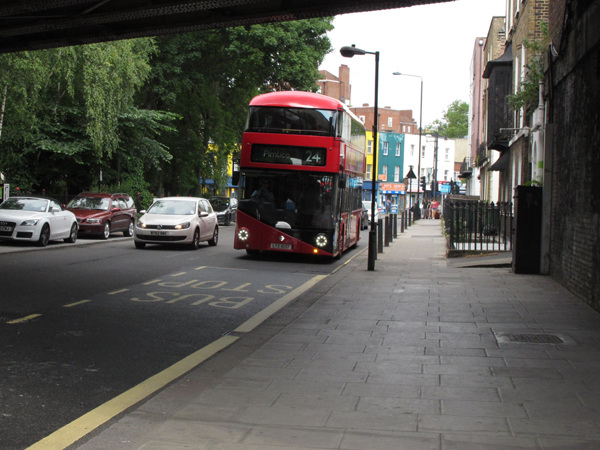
[[226, 209], [101, 214]]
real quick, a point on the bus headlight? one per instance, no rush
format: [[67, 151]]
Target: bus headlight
[[321, 240], [243, 234]]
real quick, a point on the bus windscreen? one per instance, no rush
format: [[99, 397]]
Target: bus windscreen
[[317, 122]]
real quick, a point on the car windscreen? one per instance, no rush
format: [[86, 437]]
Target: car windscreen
[[219, 204], [99, 203], [25, 204], [173, 207]]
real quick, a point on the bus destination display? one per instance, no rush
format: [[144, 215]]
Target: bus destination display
[[281, 154]]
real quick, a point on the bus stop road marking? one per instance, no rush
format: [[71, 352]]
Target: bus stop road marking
[[263, 315], [72, 432]]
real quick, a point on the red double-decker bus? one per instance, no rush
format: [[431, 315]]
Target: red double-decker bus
[[302, 165]]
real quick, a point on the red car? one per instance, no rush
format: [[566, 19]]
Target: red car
[[102, 214]]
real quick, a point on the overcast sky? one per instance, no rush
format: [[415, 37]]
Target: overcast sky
[[433, 41]]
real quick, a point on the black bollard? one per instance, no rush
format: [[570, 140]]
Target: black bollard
[[380, 236]]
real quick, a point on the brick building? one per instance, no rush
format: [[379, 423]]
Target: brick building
[[571, 222], [392, 120], [336, 87]]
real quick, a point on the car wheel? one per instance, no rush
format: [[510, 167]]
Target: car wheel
[[44, 236], [140, 244], [106, 232], [227, 220], [215, 238], [73, 235], [195, 245], [129, 231]]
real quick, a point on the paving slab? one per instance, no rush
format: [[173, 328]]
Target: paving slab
[[422, 353]]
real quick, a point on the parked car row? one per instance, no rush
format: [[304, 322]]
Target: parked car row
[[169, 220]]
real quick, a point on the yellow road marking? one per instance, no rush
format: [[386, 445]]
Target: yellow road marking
[[76, 303], [178, 274], [349, 259], [263, 315], [118, 292], [24, 319], [222, 268], [77, 429]]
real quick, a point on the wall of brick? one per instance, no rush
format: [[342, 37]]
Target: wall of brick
[[574, 110]]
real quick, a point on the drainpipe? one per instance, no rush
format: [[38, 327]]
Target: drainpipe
[[546, 141]]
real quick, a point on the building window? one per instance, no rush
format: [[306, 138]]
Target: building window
[[389, 122], [404, 129], [423, 152], [370, 147], [445, 175], [384, 173], [385, 148], [447, 154], [368, 174], [396, 174], [362, 118], [398, 148], [412, 150]]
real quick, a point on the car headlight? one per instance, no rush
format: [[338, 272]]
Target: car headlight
[[93, 220], [140, 224], [321, 240], [30, 222], [182, 226], [243, 234]]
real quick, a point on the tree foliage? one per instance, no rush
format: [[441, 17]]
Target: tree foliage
[[527, 95], [153, 115], [209, 77], [455, 122]]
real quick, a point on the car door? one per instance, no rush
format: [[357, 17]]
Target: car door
[[207, 225], [60, 225], [119, 221]]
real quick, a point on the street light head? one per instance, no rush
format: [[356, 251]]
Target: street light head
[[397, 73], [349, 52]]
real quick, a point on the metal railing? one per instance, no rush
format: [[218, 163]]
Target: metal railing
[[478, 226]]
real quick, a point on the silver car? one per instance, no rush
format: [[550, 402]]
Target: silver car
[[177, 220]]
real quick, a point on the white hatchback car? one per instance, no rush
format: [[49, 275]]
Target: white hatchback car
[[177, 220], [36, 219]]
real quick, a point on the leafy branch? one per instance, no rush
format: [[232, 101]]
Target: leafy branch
[[528, 93]]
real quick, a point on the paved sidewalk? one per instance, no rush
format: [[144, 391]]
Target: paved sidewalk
[[419, 354]]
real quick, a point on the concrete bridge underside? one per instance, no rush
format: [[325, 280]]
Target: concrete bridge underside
[[38, 24]]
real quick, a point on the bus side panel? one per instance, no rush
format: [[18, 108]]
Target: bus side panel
[[264, 237]]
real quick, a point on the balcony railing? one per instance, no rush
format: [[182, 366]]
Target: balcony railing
[[466, 168], [482, 154]]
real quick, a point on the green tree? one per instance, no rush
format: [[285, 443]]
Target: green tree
[[63, 111], [527, 96], [455, 122], [208, 79]]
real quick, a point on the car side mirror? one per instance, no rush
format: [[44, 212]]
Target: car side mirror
[[203, 214], [55, 209]]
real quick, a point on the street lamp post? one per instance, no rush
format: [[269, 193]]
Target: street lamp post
[[420, 129], [349, 52]]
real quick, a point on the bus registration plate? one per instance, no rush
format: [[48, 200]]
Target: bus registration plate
[[281, 246]]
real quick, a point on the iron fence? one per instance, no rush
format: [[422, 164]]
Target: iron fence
[[475, 225]]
